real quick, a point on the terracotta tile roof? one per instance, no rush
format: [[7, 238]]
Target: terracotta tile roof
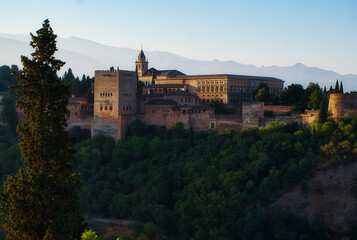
[[192, 107], [161, 102]]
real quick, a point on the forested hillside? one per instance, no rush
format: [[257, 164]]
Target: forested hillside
[[187, 185]]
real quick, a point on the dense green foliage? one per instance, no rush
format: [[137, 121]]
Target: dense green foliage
[[77, 87], [6, 76], [10, 157], [89, 235], [219, 107], [208, 185], [298, 97], [8, 115], [295, 95], [40, 201], [262, 93]]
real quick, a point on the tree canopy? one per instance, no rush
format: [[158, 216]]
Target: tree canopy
[[40, 201]]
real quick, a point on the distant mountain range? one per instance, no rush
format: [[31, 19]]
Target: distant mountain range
[[85, 56]]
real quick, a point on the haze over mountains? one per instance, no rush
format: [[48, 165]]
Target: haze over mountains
[[85, 56]]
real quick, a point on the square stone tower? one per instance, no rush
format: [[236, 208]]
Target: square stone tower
[[115, 101]]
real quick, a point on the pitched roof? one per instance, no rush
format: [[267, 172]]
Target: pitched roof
[[193, 107], [171, 73], [155, 72], [76, 100], [180, 93], [223, 76], [161, 102], [141, 54]]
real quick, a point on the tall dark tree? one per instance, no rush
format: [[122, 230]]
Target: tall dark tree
[[68, 77], [6, 78], [8, 114], [323, 114], [330, 90], [337, 89], [40, 201], [341, 87]]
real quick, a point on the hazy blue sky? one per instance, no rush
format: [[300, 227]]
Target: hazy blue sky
[[319, 33]]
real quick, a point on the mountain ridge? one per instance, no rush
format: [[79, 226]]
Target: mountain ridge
[[85, 56]]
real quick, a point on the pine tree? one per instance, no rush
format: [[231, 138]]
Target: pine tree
[[341, 87], [337, 90], [41, 201]]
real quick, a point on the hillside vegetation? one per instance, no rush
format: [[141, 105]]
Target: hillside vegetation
[[187, 185]]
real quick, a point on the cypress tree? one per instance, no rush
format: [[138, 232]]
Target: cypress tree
[[41, 201], [323, 114], [337, 90], [330, 90], [341, 87]]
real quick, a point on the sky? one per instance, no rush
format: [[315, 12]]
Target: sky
[[317, 33]]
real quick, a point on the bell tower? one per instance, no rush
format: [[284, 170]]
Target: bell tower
[[141, 65]]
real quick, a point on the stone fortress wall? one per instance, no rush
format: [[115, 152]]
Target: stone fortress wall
[[340, 104]]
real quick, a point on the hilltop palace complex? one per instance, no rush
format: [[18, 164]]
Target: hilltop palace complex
[[170, 96]]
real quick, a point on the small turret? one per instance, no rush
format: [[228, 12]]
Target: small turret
[[141, 64]]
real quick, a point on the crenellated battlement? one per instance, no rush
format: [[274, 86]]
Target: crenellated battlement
[[107, 72]]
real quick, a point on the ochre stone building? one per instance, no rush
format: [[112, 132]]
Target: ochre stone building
[[169, 96]]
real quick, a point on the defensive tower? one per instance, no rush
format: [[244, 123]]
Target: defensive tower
[[114, 99]]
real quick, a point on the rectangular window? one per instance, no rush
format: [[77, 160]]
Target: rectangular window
[[101, 108], [105, 108], [111, 108]]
